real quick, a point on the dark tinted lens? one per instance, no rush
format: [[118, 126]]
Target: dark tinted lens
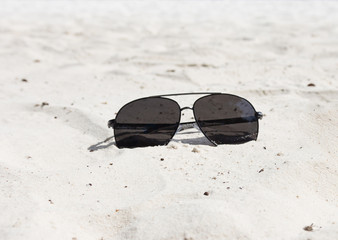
[[226, 119], [146, 122]]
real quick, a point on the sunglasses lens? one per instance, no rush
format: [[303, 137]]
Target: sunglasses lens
[[146, 122], [226, 119]]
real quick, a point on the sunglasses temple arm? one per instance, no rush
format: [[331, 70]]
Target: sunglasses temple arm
[[182, 126], [111, 123], [188, 125]]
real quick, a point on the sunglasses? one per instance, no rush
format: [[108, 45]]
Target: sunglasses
[[152, 121]]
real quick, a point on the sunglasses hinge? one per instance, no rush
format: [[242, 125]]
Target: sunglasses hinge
[[259, 115], [111, 123]]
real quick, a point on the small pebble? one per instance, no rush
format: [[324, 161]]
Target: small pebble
[[309, 228], [172, 146], [195, 150], [206, 194], [44, 104]]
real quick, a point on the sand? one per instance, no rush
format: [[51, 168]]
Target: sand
[[68, 66]]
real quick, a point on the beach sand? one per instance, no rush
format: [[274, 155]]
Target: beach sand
[[68, 66]]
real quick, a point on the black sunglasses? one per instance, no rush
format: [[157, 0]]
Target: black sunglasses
[[152, 121]]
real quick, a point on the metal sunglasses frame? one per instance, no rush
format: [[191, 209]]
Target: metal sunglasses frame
[[194, 124]]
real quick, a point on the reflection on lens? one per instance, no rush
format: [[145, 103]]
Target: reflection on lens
[[226, 119], [146, 122]]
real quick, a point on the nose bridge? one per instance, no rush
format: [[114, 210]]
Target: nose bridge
[[185, 108]]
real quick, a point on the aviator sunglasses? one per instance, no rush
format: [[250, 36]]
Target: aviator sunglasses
[[152, 121]]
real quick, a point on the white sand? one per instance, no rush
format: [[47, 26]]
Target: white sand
[[93, 57]]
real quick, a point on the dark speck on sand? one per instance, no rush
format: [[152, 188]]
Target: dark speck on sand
[[42, 104], [309, 228]]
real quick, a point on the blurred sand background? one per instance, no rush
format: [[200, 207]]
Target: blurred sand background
[[68, 66]]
